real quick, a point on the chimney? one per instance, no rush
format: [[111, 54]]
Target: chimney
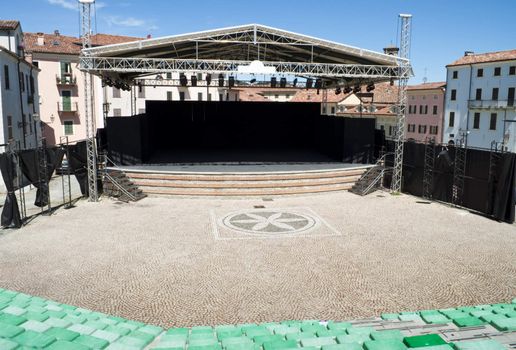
[[56, 32], [391, 50], [468, 53], [41, 39]]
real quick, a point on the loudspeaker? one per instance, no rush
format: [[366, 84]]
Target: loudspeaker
[[309, 83], [193, 79], [182, 79], [273, 82], [283, 82], [231, 82], [208, 79], [221, 80]]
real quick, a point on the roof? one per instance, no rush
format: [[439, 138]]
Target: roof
[[311, 95], [68, 44], [240, 43], [485, 58], [428, 86], [257, 94], [9, 24], [384, 93]]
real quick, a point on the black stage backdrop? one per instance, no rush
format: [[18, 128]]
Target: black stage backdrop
[[238, 127], [494, 197], [10, 212]]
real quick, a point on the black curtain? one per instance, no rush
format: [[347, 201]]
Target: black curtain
[[10, 212], [78, 164], [504, 195], [30, 168]]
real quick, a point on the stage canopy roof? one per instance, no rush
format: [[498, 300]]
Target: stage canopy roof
[[231, 50]]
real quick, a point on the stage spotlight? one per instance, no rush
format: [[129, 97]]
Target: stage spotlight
[[309, 83], [370, 87], [318, 84], [208, 79], [221, 80], [391, 82], [338, 90], [231, 82], [357, 88], [347, 89], [283, 82], [273, 82], [159, 77], [294, 83], [252, 81], [182, 79]]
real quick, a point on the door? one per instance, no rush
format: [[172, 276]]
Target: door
[[510, 97], [67, 100]]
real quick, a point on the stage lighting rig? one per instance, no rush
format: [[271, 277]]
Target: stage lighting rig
[[221, 80], [338, 90], [273, 82], [309, 83], [357, 88], [318, 84], [347, 89], [370, 87]]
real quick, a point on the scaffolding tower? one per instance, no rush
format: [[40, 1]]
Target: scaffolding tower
[[91, 150], [459, 169], [403, 63], [428, 173]]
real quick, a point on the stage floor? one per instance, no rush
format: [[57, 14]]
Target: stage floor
[[250, 168]]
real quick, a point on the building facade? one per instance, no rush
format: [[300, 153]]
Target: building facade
[[425, 112], [19, 103], [480, 102]]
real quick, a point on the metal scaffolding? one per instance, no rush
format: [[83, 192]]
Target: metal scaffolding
[[428, 172], [85, 9], [402, 101]]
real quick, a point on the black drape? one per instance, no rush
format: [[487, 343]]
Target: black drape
[[504, 196], [78, 164], [10, 212]]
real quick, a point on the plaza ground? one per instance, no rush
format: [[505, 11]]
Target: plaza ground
[[172, 261]]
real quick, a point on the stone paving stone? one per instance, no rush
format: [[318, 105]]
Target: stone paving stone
[[6, 344], [318, 342], [423, 340], [57, 322], [109, 336], [505, 324], [35, 326], [66, 345], [12, 319], [479, 345], [34, 339], [387, 334], [468, 321], [9, 331], [91, 342], [387, 344], [62, 334]]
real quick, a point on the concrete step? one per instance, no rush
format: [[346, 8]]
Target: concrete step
[[245, 191]]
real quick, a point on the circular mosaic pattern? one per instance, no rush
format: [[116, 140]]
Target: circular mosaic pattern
[[269, 221]]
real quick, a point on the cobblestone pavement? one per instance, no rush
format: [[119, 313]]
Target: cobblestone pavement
[[171, 261]]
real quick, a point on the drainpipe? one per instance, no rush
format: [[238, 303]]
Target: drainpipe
[[469, 99], [21, 104]]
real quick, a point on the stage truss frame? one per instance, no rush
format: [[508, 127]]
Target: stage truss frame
[[128, 69]]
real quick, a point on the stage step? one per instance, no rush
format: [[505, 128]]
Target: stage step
[[246, 184]]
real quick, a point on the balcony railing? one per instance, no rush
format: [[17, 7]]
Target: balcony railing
[[491, 104], [66, 79], [70, 107]]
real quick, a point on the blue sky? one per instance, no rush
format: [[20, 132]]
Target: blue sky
[[442, 29]]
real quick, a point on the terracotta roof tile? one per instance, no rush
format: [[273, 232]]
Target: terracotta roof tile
[[9, 24], [485, 57], [310, 95], [68, 44], [428, 86]]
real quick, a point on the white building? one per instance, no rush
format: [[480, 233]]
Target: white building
[[18, 91], [480, 100]]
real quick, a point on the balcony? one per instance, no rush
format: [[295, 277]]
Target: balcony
[[66, 79], [70, 107], [491, 104]]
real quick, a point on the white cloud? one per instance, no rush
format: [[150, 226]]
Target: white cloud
[[67, 4], [129, 22]]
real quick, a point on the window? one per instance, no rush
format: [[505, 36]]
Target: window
[[35, 63], [68, 127], [169, 95], [510, 97], [497, 71], [421, 109], [169, 75], [116, 92], [452, 119], [391, 130], [422, 129], [141, 110], [30, 123], [332, 110], [141, 91], [117, 112], [22, 82], [181, 95], [199, 76], [512, 70], [24, 124], [453, 95], [434, 110], [220, 97], [494, 96], [492, 122], [10, 127], [199, 96], [382, 127], [209, 96], [480, 72], [426, 109], [6, 79], [476, 121], [434, 129], [276, 97], [323, 109], [478, 94], [455, 74], [411, 128], [31, 85]]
